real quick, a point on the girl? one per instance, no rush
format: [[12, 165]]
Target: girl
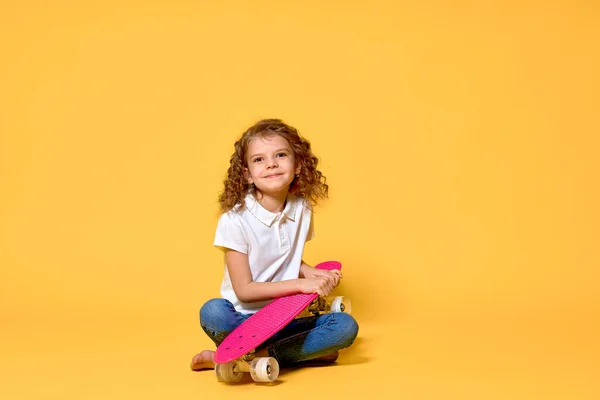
[[272, 183]]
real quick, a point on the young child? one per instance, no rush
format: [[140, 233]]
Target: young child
[[271, 186]]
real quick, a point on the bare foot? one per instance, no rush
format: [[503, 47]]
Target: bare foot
[[203, 360]]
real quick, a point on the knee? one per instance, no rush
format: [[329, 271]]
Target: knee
[[347, 328], [213, 310]]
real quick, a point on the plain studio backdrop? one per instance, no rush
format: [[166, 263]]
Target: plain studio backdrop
[[460, 141]]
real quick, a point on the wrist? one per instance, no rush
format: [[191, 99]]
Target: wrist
[[298, 286], [305, 270]]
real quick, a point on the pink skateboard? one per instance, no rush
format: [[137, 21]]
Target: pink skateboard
[[235, 354]]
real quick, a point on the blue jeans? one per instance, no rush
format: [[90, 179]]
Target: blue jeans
[[302, 339]]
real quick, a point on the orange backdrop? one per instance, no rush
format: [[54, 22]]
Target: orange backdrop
[[460, 142]]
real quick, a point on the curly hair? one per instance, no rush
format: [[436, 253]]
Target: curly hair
[[309, 184]]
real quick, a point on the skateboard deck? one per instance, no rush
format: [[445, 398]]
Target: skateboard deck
[[266, 322]]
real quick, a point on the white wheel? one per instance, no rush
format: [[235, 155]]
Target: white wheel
[[341, 304], [227, 372], [264, 369]]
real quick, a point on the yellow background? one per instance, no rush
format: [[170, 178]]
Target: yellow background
[[460, 141]]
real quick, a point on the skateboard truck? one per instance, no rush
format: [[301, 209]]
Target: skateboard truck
[[326, 304], [262, 369]]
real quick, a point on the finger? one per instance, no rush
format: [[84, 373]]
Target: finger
[[334, 279], [331, 286], [329, 290], [323, 289]]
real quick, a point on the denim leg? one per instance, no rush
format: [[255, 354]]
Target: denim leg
[[308, 338], [218, 318]]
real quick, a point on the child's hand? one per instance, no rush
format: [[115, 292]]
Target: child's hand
[[333, 276], [320, 285]]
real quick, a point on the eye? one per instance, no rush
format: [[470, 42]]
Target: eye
[[280, 155], [257, 159]]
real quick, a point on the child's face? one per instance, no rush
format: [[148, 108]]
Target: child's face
[[271, 165]]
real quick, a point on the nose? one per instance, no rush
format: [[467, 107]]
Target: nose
[[272, 163]]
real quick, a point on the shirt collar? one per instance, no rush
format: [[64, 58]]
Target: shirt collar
[[267, 217]]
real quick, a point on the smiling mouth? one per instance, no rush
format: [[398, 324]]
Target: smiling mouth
[[273, 176]]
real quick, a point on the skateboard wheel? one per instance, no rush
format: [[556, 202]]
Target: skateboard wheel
[[341, 304], [227, 373], [264, 369]]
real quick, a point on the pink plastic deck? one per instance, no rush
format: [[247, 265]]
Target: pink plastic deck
[[266, 322]]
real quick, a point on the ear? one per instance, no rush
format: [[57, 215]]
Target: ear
[[298, 169], [247, 176]]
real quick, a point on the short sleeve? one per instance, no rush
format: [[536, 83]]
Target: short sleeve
[[230, 235]]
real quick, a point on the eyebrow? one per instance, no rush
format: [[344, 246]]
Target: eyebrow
[[276, 151]]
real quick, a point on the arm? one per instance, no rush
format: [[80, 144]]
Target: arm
[[249, 291], [305, 270]]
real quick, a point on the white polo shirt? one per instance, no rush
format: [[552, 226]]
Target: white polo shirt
[[274, 243]]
